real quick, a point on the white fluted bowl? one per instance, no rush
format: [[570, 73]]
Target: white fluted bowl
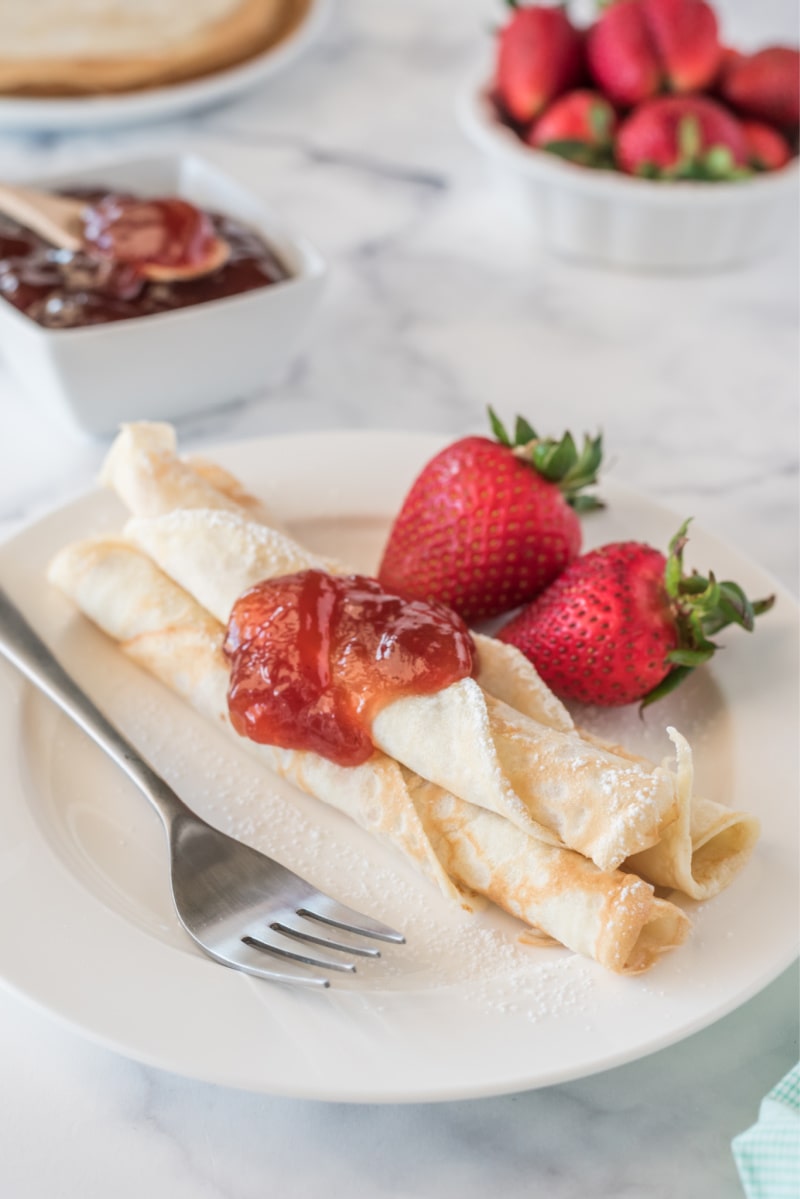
[[620, 221]]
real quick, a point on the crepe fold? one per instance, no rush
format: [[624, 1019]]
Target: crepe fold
[[702, 851], [612, 917]]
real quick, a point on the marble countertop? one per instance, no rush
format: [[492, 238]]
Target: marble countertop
[[433, 310]]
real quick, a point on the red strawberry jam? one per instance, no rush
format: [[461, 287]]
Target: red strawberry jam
[[61, 289], [314, 657], [164, 232]]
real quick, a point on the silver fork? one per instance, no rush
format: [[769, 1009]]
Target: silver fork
[[241, 907]]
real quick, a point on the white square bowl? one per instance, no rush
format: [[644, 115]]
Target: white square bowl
[[168, 365], [617, 220]]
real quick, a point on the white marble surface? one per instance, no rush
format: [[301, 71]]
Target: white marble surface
[[434, 309]]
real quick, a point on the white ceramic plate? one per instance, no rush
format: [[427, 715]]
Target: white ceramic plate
[[86, 925], [161, 103]]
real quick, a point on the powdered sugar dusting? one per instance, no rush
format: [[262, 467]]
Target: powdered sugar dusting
[[474, 948]]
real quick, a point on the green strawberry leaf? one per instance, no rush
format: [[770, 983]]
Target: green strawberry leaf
[[555, 459], [584, 474], [673, 574], [719, 162], [586, 503], [701, 606], [690, 657], [648, 170], [572, 150], [734, 608], [587, 465], [693, 585], [600, 122], [667, 685], [690, 138], [523, 432], [763, 605], [558, 462], [499, 429]]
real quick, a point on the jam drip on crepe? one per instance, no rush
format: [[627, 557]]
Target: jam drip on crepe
[[314, 657]]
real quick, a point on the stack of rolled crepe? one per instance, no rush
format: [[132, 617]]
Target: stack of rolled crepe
[[548, 823]]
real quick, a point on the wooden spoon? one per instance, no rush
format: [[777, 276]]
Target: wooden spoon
[[60, 221]]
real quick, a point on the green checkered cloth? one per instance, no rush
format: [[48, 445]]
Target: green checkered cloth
[[767, 1155]]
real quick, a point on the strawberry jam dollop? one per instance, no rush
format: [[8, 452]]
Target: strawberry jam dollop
[[166, 232], [314, 657]]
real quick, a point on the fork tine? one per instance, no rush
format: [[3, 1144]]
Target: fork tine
[[274, 947], [250, 960], [301, 934], [339, 915]]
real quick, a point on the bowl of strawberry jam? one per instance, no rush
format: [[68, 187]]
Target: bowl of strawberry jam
[[93, 334], [63, 289]]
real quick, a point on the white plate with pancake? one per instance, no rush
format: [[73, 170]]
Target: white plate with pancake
[[87, 930], [93, 64]]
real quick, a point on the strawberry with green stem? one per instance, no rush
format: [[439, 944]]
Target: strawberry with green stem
[[682, 137], [624, 623], [579, 126], [488, 524]]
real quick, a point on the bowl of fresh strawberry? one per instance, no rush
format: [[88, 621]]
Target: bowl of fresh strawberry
[[641, 139]]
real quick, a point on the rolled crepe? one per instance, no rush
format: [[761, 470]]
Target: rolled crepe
[[707, 843], [551, 783], [604, 808], [612, 917]]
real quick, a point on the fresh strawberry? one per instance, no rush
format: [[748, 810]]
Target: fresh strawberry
[[579, 126], [624, 623], [765, 85], [768, 149], [682, 137], [638, 48], [539, 56], [686, 37], [621, 56], [488, 524], [728, 57]]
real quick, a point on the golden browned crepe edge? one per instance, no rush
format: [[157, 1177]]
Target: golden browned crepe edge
[[609, 916], [253, 27]]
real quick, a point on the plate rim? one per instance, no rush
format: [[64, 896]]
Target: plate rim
[[423, 444], [64, 113]]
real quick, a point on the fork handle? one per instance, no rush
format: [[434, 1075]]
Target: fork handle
[[25, 649]]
